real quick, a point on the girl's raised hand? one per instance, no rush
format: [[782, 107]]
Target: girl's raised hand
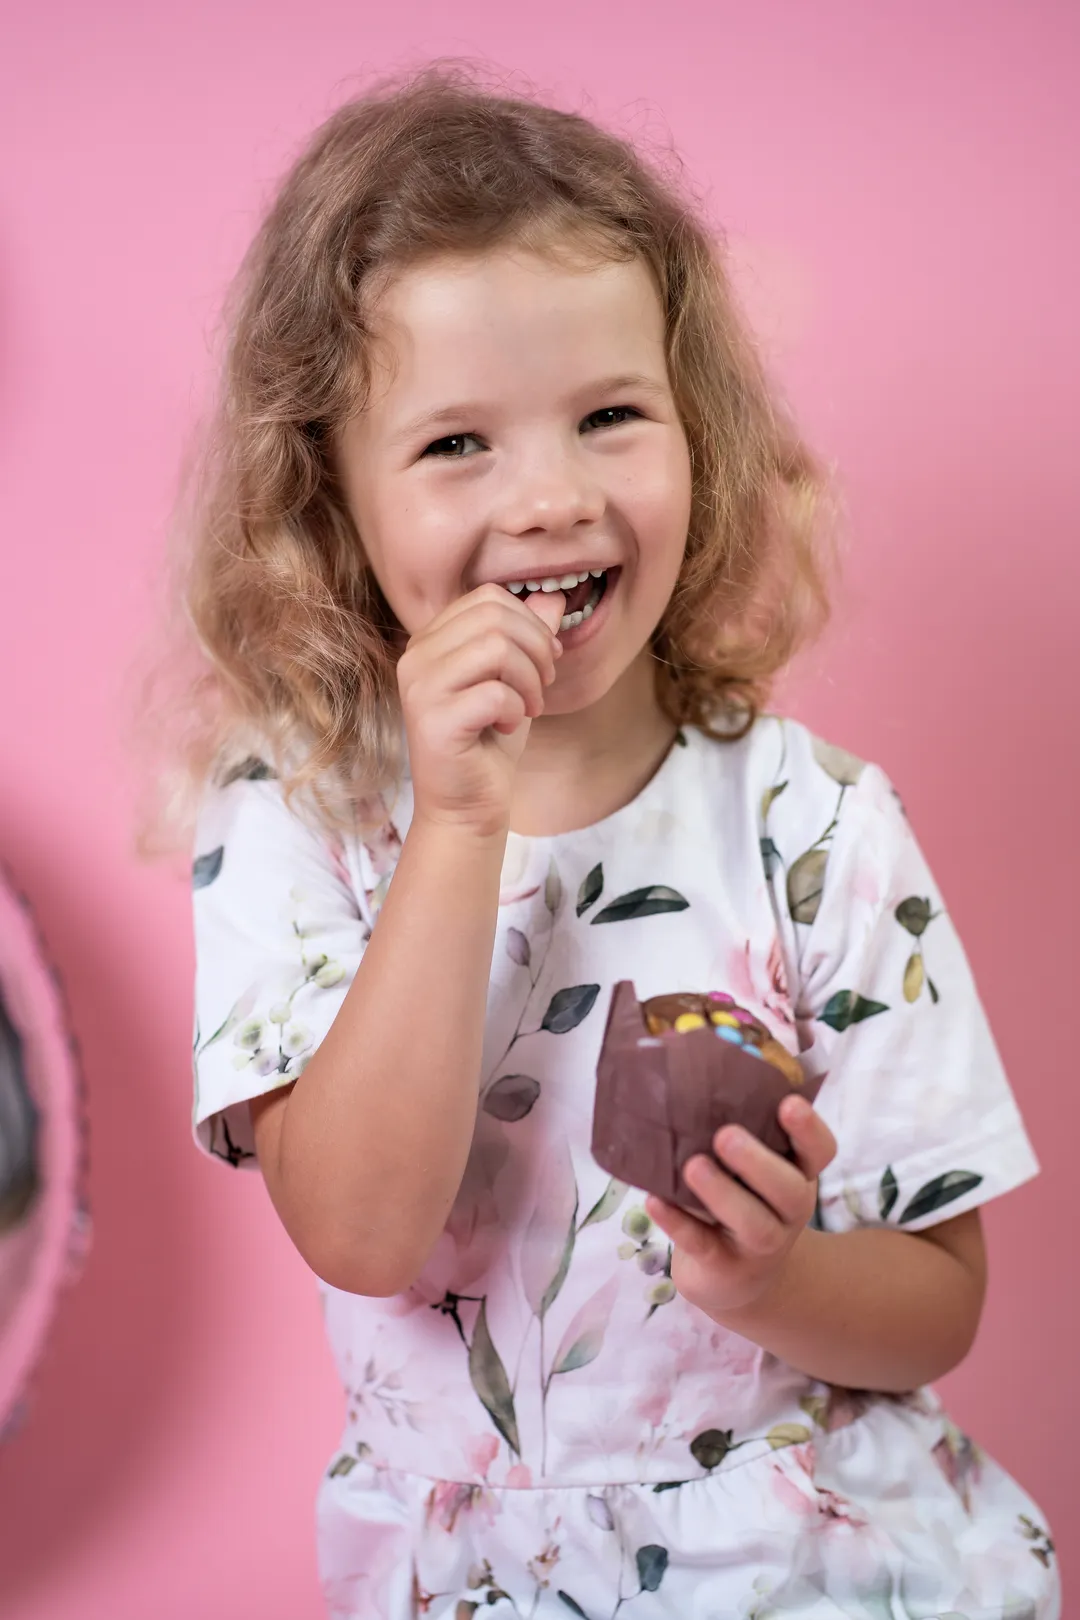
[[730, 1266], [471, 683]]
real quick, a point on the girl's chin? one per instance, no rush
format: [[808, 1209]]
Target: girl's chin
[[575, 690]]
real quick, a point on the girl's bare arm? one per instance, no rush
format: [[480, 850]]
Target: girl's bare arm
[[875, 1308], [364, 1154]]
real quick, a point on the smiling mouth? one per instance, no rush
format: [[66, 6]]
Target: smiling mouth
[[583, 596]]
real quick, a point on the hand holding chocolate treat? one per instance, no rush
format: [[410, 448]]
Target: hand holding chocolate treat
[[672, 1071]]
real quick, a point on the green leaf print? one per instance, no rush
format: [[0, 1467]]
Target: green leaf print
[[205, 868], [575, 1608], [251, 769], [488, 1376], [518, 948], [769, 798], [1035, 1533], [591, 889], [551, 1292], [843, 767], [567, 1008], [237, 1012], [770, 856], [511, 1097], [914, 977], [847, 1007], [584, 1338], [343, 1465], [652, 1561], [914, 914], [710, 1447], [942, 1190], [606, 1205], [552, 887], [642, 903], [788, 1434], [816, 1407], [549, 1238], [805, 885], [887, 1193]]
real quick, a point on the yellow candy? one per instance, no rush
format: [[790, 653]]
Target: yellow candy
[[724, 1019], [687, 1021]]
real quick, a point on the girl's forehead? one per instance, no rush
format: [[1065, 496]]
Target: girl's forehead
[[514, 306]]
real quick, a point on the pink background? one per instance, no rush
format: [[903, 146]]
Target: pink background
[[900, 183]]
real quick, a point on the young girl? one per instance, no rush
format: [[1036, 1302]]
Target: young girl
[[503, 541]]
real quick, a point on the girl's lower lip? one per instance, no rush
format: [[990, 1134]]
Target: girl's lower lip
[[580, 633]]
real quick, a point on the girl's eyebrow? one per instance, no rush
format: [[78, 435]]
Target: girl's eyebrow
[[464, 410]]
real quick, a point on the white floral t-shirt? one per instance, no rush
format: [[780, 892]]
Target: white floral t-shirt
[[542, 1426]]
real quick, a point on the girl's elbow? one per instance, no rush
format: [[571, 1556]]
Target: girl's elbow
[[958, 1343], [379, 1277], [369, 1268]]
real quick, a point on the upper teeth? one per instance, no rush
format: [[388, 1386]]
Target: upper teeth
[[566, 583]]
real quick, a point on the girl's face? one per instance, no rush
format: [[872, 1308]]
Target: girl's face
[[521, 429]]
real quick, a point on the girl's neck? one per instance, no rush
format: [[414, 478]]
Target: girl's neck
[[579, 768]]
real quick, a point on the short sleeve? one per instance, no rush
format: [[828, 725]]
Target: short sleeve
[[926, 1123], [279, 931]]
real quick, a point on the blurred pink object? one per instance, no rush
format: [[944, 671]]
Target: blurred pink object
[[44, 1219]]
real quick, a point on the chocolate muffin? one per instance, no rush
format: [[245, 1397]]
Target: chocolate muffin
[[674, 1069]]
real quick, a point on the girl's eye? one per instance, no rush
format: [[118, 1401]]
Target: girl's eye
[[612, 415], [451, 447]]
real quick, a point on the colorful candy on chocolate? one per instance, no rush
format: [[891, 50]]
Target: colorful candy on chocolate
[[672, 1071], [721, 1013]]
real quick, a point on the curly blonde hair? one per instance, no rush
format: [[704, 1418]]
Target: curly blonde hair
[[295, 641]]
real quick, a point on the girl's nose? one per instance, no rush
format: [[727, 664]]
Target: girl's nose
[[554, 495]]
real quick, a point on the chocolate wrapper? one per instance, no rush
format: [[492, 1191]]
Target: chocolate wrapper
[[661, 1098]]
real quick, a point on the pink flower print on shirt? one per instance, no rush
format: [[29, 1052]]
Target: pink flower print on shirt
[[374, 1556], [961, 1461], [480, 1452], [475, 1231], [476, 1225], [736, 1357], [864, 885], [651, 1407], [335, 848], [754, 982], [383, 848], [449, 1498], [843, 1539], [515, 883], [810, 1500], [837, 1409]]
